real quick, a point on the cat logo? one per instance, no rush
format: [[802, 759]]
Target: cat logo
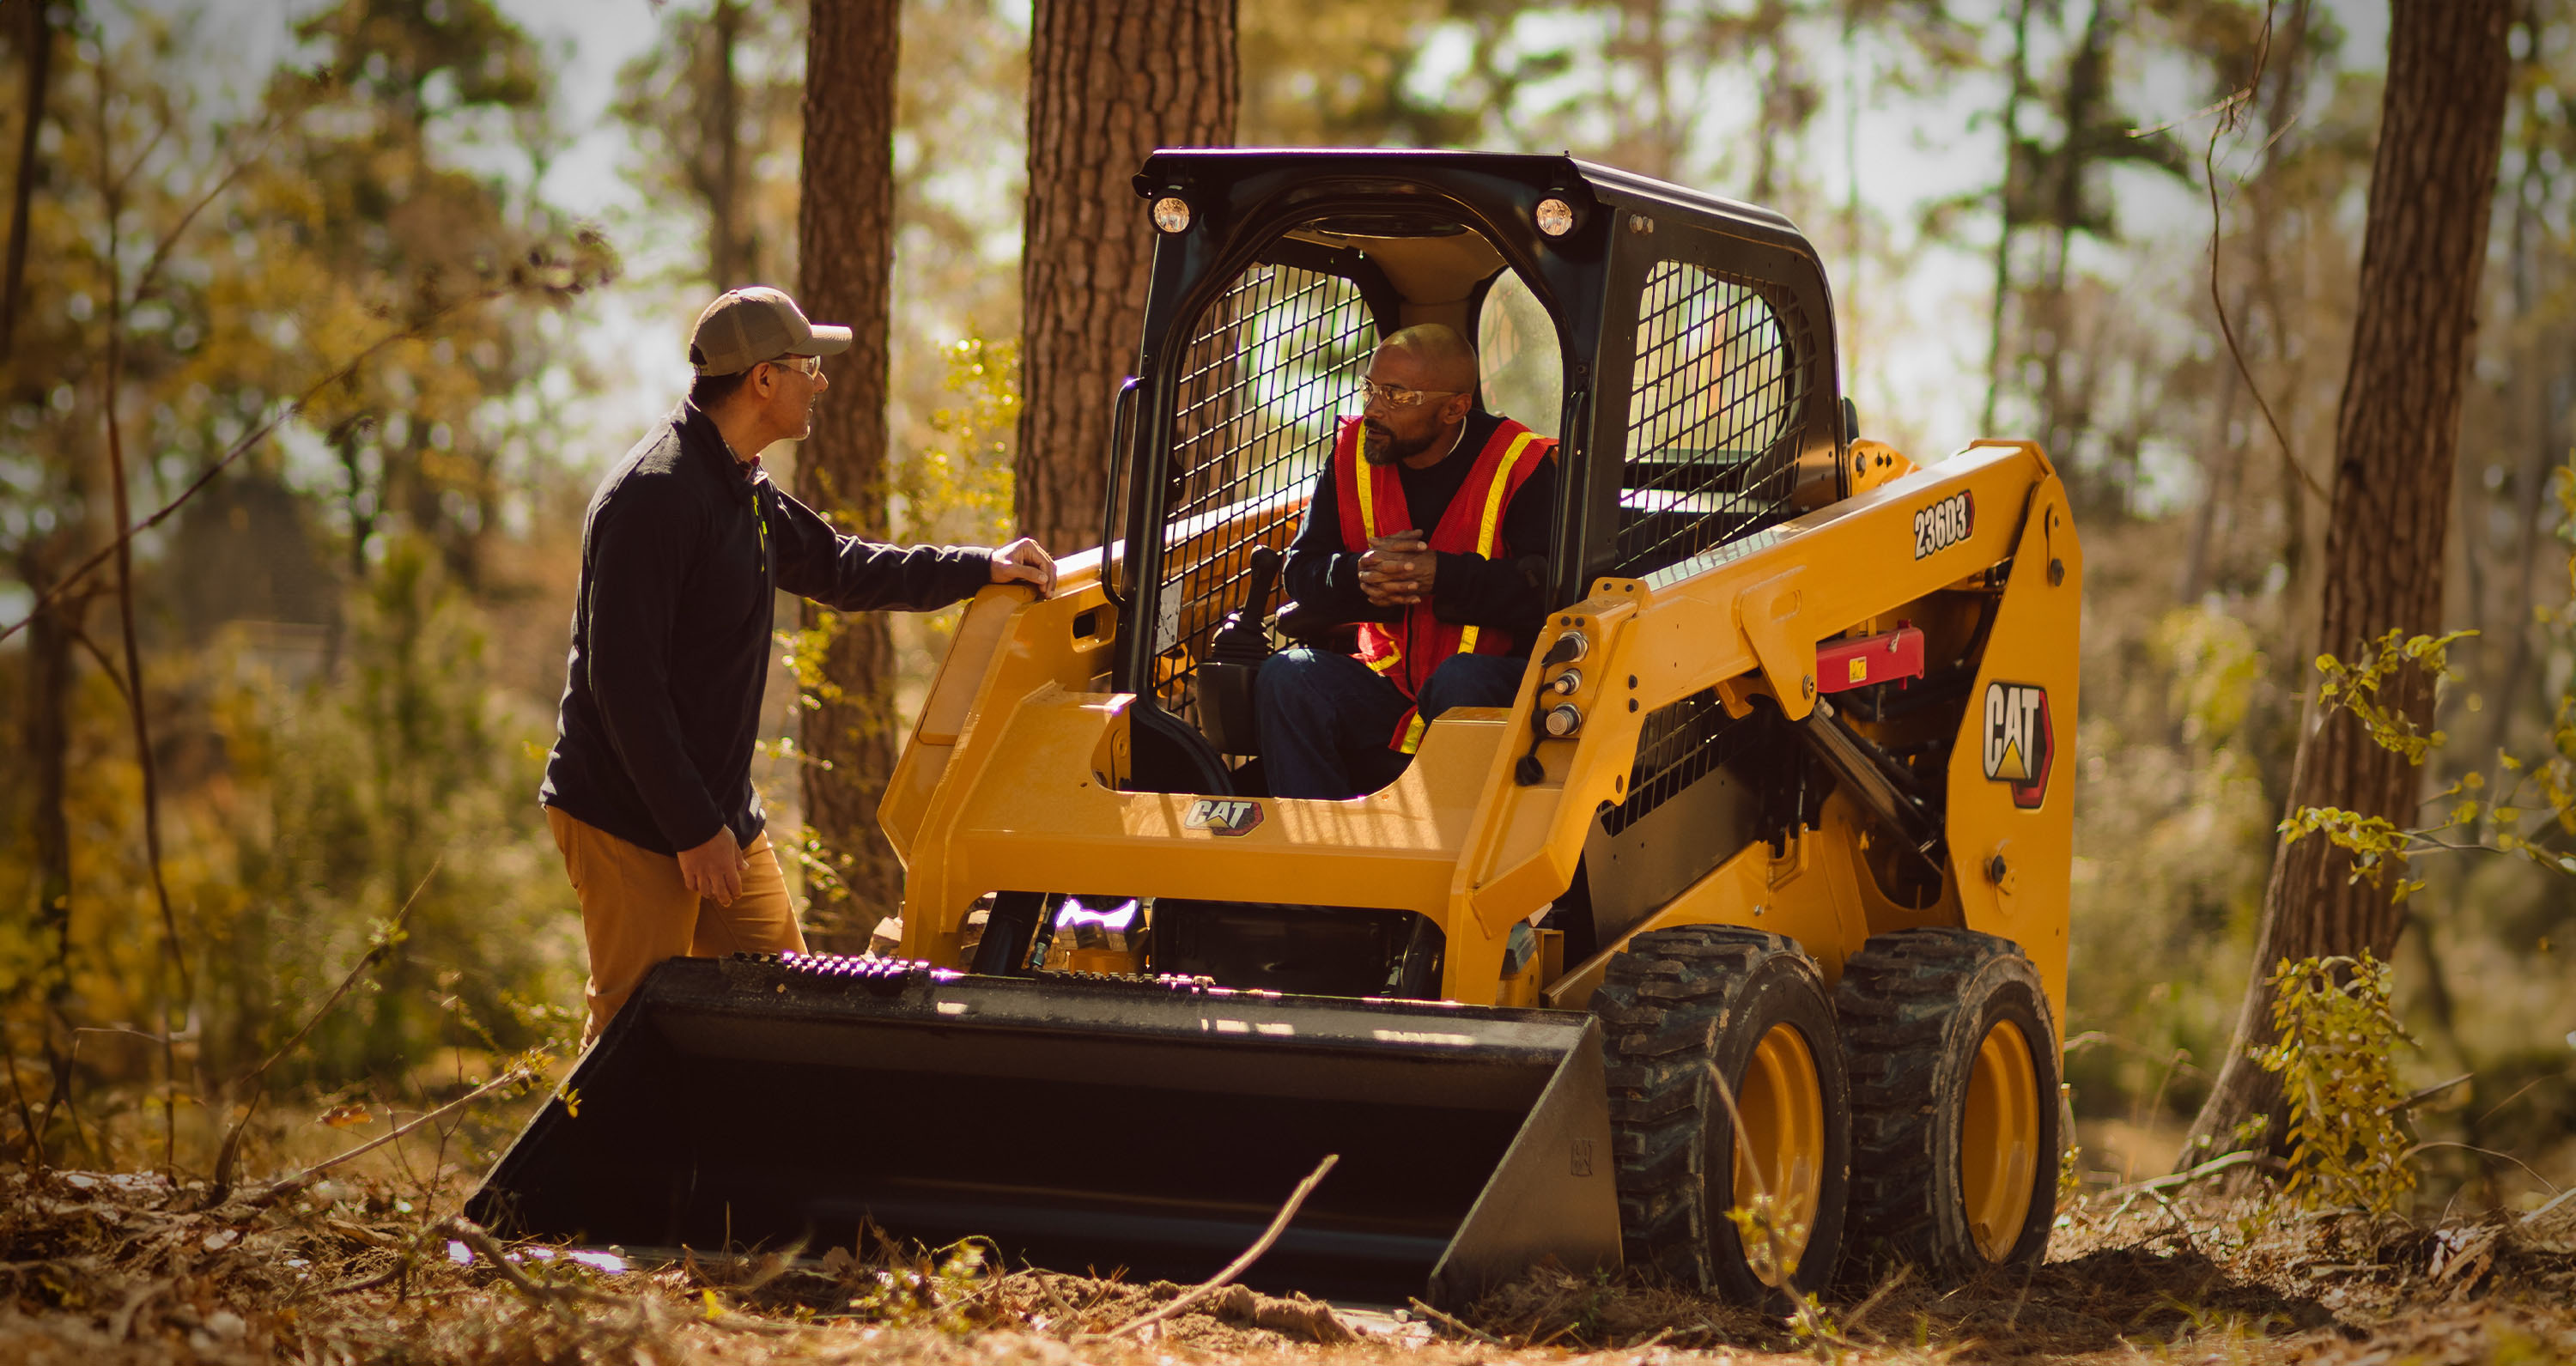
[[1944, 524], [1222, 816], [2019, 742]]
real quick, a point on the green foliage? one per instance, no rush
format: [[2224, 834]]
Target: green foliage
[[908, 1287], [2336, 1039], [2217, 668], [1771, 1243], [959, 488], [2533, 817], [740, 181], [2376, 844], [327, 712], [403, 783], [2356, 688]]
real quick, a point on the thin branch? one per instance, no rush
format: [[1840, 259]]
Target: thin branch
[[2526, 1090], [98, 655], [2428, 1093], [231, 1148], [297, 405], [2484, 1152], [2177, 1180], [1454, 1322], [2230, 114], [285, 1186], [26, 1112], [1250, 1255], [241, 164]]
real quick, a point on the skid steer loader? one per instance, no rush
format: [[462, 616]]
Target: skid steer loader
[[1752, 903]]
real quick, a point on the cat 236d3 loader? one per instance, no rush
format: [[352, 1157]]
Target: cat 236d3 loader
[[1783, 804]]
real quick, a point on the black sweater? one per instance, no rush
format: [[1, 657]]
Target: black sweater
[[680, 554], [1469, 589]]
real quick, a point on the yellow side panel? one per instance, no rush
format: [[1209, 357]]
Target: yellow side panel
[[1008, 643], [2012, 785]]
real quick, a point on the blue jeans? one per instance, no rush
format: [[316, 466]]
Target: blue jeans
[[1326, 718]]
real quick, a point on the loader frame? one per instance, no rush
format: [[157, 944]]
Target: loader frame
[[1014, 762]]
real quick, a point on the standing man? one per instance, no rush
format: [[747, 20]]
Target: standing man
[[1446, 615], [648, 789]]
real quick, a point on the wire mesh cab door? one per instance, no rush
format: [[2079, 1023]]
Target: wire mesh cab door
[[1258, 378]]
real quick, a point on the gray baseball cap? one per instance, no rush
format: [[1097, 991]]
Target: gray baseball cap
[[744, 327]]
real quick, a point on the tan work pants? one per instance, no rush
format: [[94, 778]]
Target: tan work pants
[[635, 912]]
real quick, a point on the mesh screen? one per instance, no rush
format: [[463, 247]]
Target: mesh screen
[[1272, 363], [1684, 741], [1718, 380]]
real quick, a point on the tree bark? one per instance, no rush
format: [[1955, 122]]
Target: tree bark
[[845, 255], [40, 65], [1109, 81], [2396, 435], [725, 267]]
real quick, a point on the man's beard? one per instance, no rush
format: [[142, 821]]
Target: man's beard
[[1384, 448]]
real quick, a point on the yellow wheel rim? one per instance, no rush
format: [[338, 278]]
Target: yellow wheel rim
[[1782, 1134], [1999, 1140]]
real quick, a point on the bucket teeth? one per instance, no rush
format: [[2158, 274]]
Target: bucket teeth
[[772, 971]]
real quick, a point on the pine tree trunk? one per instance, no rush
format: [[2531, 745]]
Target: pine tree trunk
[[2396, 433], [845, 256], [726, 268], [1109, 81]]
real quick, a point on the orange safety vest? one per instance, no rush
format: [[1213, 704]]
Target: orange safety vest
[[1372, 503]]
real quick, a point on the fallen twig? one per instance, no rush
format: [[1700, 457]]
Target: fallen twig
[[1887, 1287], [1250, 1255], [2485, 1152], [2175, 1180], [1450, 1321], [382, 1278], [286, 1186]]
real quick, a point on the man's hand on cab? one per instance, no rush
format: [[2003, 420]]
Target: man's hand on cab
[[1396, 570], [714, 869], [1025, 561]]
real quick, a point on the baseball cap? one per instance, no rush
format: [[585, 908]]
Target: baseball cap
[[744, 327]]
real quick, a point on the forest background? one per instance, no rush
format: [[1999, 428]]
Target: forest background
[[470, 235]]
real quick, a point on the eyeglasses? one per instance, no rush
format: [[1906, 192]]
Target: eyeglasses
[[1397, 396], [808, 366]]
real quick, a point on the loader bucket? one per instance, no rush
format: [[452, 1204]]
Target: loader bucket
[[1080, 1123]]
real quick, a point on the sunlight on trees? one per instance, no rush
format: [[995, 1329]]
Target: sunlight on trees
[[352, 634]]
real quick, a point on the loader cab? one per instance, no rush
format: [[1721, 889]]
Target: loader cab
[[1678, 346]]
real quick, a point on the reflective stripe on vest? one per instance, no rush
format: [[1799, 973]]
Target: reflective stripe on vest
[[1393, 655], [1489, 526]]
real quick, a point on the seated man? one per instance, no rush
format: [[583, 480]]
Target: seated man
[[1446, 616]]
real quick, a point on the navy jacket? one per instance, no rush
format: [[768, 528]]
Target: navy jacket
[[680, 557]]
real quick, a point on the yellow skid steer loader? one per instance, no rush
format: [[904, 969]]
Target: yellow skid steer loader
[[1752, 903]]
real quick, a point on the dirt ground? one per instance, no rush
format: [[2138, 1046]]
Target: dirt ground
[[123, 1268]]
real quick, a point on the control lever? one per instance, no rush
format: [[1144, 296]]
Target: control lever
[[1242, 639], [1234, 658]]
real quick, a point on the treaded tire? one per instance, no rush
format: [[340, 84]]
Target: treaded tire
[[1914, 1007], [1674, 1002]]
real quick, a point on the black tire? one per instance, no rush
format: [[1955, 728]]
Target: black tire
[[1673, 1004], [1915, 1008]]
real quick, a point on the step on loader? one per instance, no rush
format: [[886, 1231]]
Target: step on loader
[[1733, 950]]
